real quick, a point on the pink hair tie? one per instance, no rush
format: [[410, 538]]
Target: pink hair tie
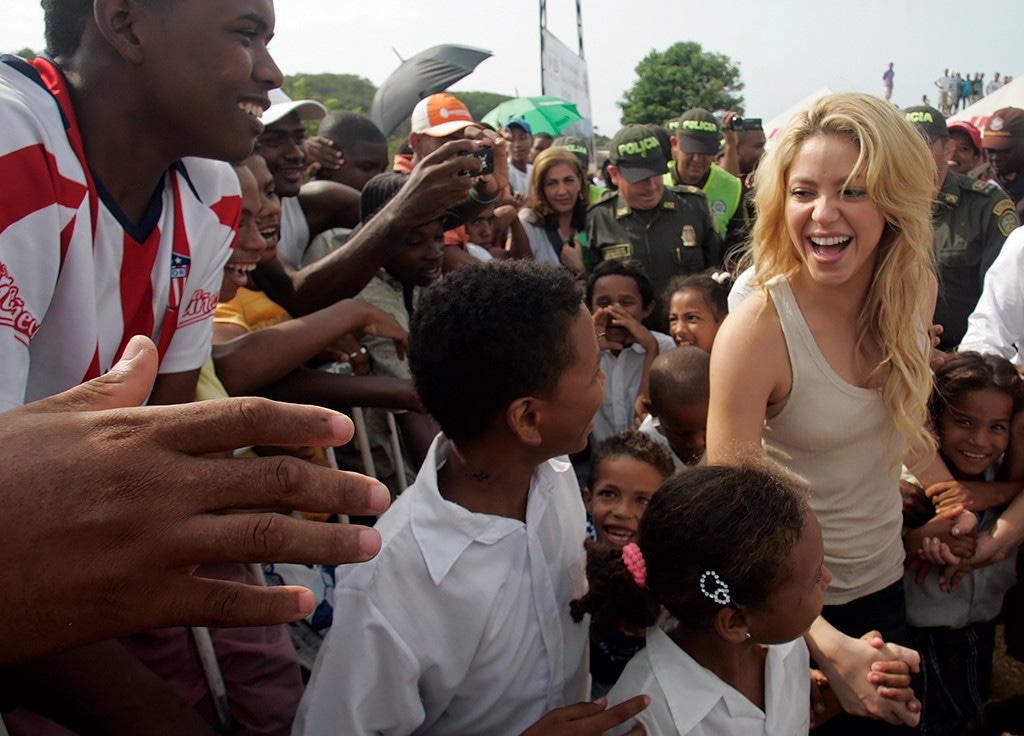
[[634, 560]]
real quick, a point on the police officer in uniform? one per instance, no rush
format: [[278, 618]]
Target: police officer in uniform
[[972, 219], [695, 143], [1004, 144], [668, 229]]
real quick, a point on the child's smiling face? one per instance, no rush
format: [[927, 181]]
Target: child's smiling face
[[616, 291], [691, 321], [974, 429], [418, 261], [619, 498]]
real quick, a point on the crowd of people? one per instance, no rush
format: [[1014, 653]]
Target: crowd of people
[[705, 439], [955, 91]]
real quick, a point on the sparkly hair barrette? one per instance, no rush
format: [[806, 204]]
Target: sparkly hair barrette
[[712, 585]]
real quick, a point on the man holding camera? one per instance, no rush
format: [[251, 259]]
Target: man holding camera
[[694, 146], [436, 120]]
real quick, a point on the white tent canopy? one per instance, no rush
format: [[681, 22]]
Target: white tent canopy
[[1010, 95], [774, 127]]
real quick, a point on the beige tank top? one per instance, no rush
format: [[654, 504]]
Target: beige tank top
[[840, 439]]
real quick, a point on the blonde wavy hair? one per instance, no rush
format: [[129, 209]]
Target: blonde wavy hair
[[899, 176]]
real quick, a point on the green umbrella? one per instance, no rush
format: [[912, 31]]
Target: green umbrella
[[545, 114]]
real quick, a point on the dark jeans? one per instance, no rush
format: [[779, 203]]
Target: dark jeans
[[886, 612]]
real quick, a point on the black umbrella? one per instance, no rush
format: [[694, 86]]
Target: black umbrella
[[419, 76]]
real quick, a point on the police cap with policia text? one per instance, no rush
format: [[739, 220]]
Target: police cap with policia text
[[929, 121], [636, 153], [698, 132]]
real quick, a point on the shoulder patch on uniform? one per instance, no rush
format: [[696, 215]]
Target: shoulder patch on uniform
[[1002, 206], [616, 251], [687, 189], [1008, 222], [982, 186]]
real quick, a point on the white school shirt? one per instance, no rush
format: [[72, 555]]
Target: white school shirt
[[997, 325], [77, 279], [623, 374], [461, 624], [690, 700]]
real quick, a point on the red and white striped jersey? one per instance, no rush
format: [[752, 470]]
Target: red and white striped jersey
[[77, 278]]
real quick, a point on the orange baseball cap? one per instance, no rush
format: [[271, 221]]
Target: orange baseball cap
[[440, 115]]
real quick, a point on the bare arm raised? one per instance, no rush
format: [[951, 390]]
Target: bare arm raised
[[439, 184]]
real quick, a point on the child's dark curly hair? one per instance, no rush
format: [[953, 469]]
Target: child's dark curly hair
[[739, 522], [628, 267], [972, 371], [634, 444], [488, 334], [714, 292]]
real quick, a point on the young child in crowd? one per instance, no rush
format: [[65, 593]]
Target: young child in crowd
[[621, 296], [396, 289], [461, 624], [678, 418], [976, 414], [627, 469], [696, 308], [733, 558], [481, 232], [497, 233]]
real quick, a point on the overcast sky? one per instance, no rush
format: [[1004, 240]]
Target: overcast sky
[[786, 49]]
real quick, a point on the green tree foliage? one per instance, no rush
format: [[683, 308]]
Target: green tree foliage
[[480, 103], [336, 91], [678, 78]]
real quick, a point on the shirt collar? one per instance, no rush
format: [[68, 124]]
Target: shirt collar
[[691, 705], [622, 208], [444, 530]]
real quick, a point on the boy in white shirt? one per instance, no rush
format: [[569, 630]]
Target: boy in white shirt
[[461, 624]]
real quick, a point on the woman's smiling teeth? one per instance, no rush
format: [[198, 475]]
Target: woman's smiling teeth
[[832, 243]]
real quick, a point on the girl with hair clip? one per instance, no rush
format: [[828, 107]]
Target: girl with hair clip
[[724, 611], [842, 248], [697, 304], [555, 215]]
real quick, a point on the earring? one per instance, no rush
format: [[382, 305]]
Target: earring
[[748, 634]]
